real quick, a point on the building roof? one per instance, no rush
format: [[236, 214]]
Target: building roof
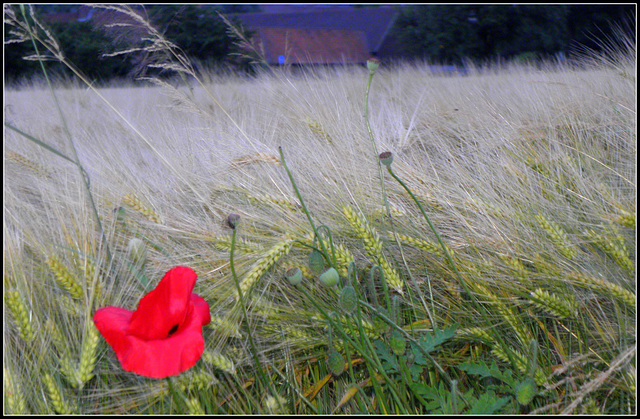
[[375, 22], [320, 46]]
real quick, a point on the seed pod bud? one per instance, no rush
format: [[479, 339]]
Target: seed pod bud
[[386, 158], [525, 391], [233, 220], [293, 275], [316, 262], [329, 277], [397, 343], [335, 362], [373, 64], [348, 299]]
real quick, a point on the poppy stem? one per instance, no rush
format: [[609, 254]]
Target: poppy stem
[[174, 394], [254, 352]]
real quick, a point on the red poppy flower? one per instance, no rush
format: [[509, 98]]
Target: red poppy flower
[[163, 337]]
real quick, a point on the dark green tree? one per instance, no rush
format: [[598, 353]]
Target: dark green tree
[[197, 30], [450, 33], [82, 44], [442, 34]]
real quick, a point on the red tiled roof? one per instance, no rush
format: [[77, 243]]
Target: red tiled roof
[[375, 22], [318, 46]]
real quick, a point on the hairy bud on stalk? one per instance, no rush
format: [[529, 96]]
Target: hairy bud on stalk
[[335, 362], [316, 262], [348, 299], [233, 220]]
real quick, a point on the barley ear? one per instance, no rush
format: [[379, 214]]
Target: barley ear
[[23, 161], [88, 356], [194, 407], [219, 361], [137, 205], [196, 381], [265, 263], [560, 306], [613, 246], [521, 362], [558, 237], [13, 395], [20, 314], [373, 247], [55, 395], [610, 288], [64, 278]]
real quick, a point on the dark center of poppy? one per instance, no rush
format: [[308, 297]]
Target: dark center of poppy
[[173, 330]]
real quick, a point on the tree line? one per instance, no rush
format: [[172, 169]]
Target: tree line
[[454, 33], [448, 34]]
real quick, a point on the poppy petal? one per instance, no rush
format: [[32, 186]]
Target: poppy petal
[[165, 307], [173, 355], [172, 313], [113, 323]]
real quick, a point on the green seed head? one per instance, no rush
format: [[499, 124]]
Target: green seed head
[[348, 299], [397, 343], [294, 275], [335, 362], [372, 65], [316, 262], [525, 391], [386, 158], [329, 277], [233, 220]]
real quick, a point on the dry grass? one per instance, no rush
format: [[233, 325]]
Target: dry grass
[[528, 174]]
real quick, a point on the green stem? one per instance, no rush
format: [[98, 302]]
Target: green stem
[[254, 351], [76, 160], [424, 214], [304, 207]]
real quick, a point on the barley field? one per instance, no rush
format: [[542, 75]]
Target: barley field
[[489, 268]]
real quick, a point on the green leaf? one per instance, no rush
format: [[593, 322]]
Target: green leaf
[[483, 370], [429, 342], [487, 404], [389, 360]]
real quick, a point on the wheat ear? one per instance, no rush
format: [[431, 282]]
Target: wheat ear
[[265, 263], [558, 237], [13, 395], [55, 395], [20, 314], [219, 361], [64, 278], [373, 246], [137, 205], [560, 306]]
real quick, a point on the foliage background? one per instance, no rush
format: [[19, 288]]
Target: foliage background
[[447, 34]]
